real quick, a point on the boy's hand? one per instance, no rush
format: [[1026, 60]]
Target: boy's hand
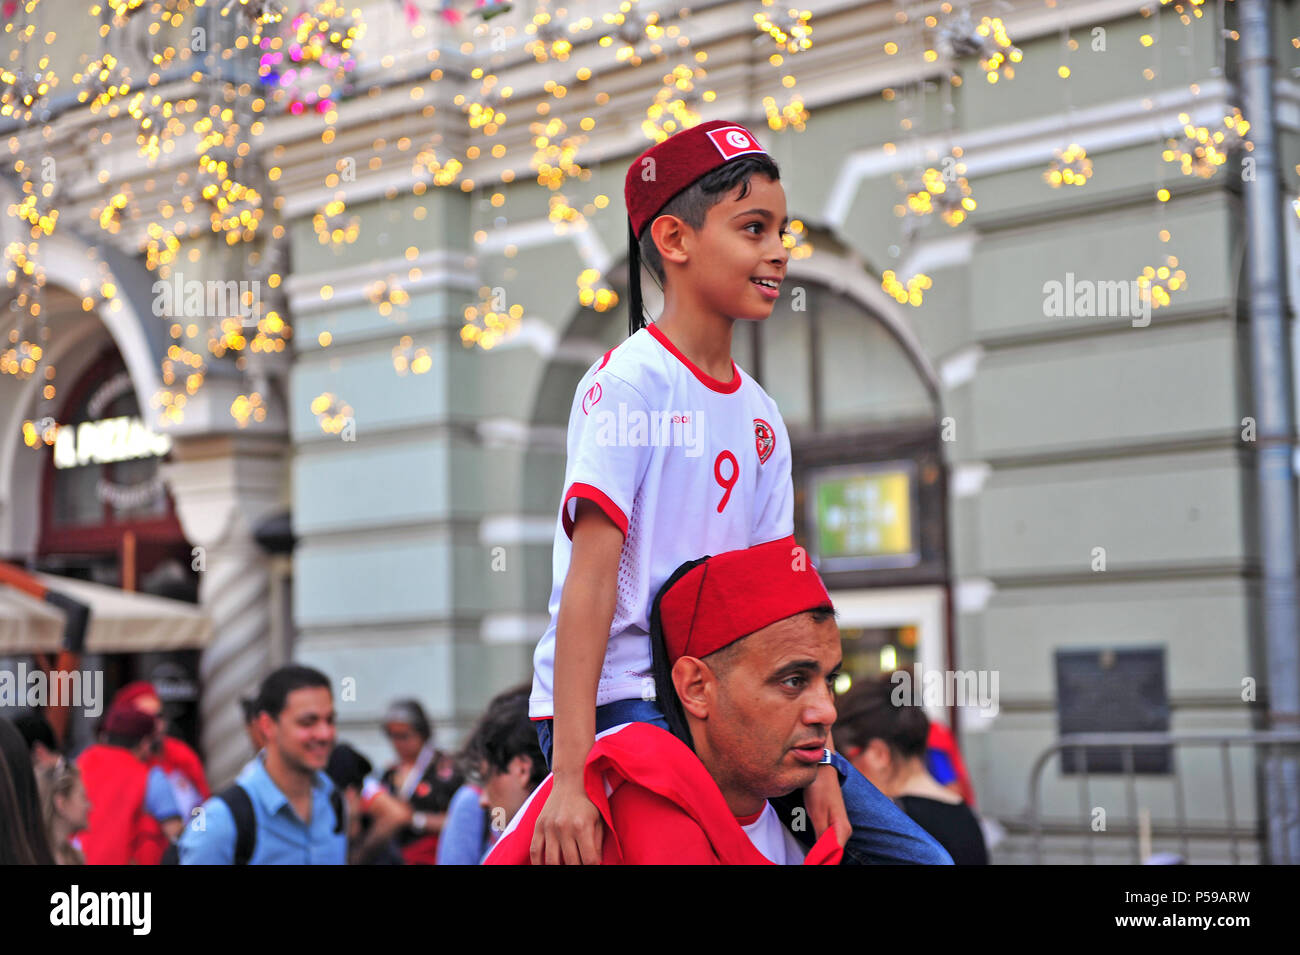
[[569, 828], [825, 804]]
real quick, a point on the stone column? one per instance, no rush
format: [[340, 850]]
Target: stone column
[[224, 486]]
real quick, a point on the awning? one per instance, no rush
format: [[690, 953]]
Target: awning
[[120, 622], [28, 625]]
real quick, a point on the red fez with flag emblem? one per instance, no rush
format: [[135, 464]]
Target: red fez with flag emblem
[[664, 170], [724, 598]]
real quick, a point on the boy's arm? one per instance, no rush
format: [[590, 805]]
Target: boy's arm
[[569, 829]]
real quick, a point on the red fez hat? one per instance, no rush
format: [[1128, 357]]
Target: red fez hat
[[667, 168], [125, 720], [727, 597], [132, 692]]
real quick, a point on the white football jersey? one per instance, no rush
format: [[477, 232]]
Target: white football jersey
[[686, 466]]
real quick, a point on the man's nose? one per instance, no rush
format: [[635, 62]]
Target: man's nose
[[821, 709]]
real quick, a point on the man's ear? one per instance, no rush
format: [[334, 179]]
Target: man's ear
[[694, 682], [669, 234], [265, 724]]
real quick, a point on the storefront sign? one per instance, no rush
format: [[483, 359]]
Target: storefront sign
[[106, 441]]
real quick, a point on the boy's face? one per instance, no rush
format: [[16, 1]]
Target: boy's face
[[740, 242]]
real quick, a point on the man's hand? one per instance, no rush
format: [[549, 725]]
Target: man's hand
[[825, 804], [569, 828]]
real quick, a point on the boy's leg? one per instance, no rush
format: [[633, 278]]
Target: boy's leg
[[544, 739], [882, 833]]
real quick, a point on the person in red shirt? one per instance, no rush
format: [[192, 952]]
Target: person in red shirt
[[179, 763], [750, 648], [126, 824]]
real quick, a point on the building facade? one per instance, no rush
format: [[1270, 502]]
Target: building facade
[[1023, 474]]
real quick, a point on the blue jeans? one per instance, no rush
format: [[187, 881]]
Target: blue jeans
[[607, 716], [882, 833]]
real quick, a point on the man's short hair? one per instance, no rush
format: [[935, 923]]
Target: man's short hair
[[504, 732], [275, 689], [693, 203]]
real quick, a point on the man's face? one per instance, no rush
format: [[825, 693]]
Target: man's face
[[506, 790], [739, 242], [304, 733], [768, 714]]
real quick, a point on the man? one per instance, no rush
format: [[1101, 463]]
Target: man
[[134, 815], [178, 762], [283, 809], [749, 646]]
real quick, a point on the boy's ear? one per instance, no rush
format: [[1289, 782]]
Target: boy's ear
[[670, 235]]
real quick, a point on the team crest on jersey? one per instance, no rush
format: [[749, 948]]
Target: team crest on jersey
[[764, 440], [591, 397]]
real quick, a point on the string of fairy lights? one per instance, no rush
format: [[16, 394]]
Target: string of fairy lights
[[196, 82]]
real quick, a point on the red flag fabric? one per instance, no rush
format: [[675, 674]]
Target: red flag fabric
[[660, 807]]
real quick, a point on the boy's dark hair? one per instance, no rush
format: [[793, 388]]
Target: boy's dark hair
[[504, 732], [693, 203], [275, 689], [868, 712], [248, 707]]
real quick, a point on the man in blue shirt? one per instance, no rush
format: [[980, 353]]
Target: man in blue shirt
[[295, 818]]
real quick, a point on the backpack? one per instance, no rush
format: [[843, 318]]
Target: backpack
[[240, 805]]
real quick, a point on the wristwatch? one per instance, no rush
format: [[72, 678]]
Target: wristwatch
[[419, 820]]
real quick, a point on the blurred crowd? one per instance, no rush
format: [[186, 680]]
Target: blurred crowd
[[140, 796]]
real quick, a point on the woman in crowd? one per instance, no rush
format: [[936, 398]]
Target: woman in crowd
[[65, 809], [423, 777], [22, 836], [887, 744]]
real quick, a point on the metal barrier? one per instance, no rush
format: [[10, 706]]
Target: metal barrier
[[1272, 744]]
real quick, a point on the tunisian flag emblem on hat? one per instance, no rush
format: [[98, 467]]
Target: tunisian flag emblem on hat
[[732, 141], [764, 439]]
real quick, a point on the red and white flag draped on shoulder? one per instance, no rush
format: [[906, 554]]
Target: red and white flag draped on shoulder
[[660, 807]]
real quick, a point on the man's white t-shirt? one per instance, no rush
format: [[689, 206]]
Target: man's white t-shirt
[[686, 466], [773, 839]]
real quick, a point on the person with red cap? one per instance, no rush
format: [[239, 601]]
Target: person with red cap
[[133, 815], [747, 649], [178, 762], [673, 451]]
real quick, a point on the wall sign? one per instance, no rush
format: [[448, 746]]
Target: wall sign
[[107, 441]]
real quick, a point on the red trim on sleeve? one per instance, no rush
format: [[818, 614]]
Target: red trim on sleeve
[[725, 387], [597, 497]]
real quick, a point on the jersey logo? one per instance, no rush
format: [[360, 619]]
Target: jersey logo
[[764, 440], [733, 141], [591, 397]]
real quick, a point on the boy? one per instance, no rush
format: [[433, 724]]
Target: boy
[[673, 452]]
